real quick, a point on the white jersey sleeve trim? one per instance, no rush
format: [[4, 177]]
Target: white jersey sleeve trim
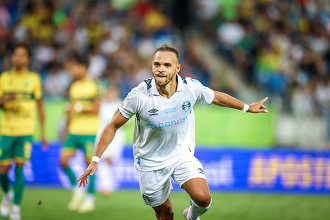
[[133, 101], [121, 111]]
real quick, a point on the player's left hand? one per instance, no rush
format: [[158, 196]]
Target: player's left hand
[[89, 171], [258, 107]]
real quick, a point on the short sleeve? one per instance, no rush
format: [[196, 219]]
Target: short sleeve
[[38, 88], [132, 102], [204, 94]]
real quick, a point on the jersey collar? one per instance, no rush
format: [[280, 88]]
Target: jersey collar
[[12, 71], [178, 89]]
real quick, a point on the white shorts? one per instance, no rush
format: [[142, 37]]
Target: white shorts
[[155, 186]]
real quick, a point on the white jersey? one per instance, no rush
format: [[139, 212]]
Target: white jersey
[[164, 128]]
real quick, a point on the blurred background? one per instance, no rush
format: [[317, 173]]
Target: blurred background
[[248, 49]]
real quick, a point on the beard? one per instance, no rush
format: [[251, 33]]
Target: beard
[[168, 79]]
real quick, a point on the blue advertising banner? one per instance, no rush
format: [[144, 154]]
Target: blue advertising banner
[[277, 170]]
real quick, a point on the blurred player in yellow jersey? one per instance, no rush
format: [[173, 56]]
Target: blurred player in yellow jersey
[[20, 93], [82, 127]]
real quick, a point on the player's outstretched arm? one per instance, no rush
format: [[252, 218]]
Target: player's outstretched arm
[[103, 142], [224, 100]]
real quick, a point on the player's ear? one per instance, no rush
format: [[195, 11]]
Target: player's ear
[[178, 67]]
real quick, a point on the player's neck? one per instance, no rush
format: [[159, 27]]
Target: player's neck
[[168, 90], [19, 70], [82, 77]]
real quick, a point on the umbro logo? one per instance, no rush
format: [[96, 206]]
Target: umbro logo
[[200, 170], [153, 111]]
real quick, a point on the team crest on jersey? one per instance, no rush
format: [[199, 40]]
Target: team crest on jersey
[[186, 106], [146, 199], [153, 111]]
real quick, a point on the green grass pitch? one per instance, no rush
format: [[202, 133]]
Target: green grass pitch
[[129, 205]]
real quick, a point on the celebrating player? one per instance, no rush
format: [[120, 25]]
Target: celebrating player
[[20, 92], [82, 126], [164, 135]]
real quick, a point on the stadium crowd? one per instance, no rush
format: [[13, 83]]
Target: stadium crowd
[[282, 47], [119, 39]]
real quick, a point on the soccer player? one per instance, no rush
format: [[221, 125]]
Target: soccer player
[[164, 135], [82, 126], [20, 93]]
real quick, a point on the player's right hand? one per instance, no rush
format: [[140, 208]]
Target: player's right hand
[[258, 107], [89, 171]]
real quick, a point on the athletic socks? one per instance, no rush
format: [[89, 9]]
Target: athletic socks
[[4, 180], [91, 186], [15, 212], [19, 185], [16, 208], [195, 210], [72, 177]]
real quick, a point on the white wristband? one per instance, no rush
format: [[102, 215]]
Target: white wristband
[[245, 108], [96, 159]]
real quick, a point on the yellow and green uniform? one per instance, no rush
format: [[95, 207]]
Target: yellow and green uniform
[[19, 116], [83, 127]]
